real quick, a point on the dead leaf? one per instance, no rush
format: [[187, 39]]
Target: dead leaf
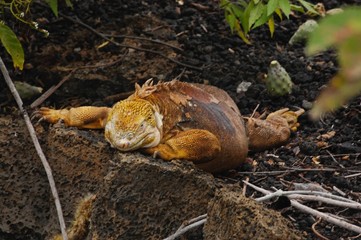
[[327, 135], [322, 144], [270, 162], [296, 150], [316, 160]]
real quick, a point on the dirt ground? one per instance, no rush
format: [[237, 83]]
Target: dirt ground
[[91, 50]]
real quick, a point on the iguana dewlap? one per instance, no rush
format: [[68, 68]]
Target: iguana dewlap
[[176, 120]]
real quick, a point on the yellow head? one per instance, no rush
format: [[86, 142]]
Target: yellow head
[[133, 124]]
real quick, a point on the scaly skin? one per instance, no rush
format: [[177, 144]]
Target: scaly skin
[[177, 120]]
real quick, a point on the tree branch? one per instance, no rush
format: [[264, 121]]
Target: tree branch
[[35, 140], [188, 225], [303, 208]]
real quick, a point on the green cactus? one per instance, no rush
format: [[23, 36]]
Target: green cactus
[[303, 31], [278, 82]]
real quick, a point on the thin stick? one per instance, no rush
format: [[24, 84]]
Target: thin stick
[[254, 111], [319, 235], [302, 193], [50, 91], [292, 170], [352, 175], [334, 159], [144, 39], [188, 225], [303, 208], [40, 152], [338, 203], [78, 21], [53, 88], [324, 216], [244, 189]]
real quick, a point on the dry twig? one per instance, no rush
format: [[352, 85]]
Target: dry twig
[[188, 225], [144, 39], [35, 140], [52, 89], [104, 36], [244, 189], [334, 159], [293, 170], [303, 208], [319, 235]]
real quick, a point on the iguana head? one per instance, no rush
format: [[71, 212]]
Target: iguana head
[[133, 124]]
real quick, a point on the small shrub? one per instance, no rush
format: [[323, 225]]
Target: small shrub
[[343, 32], [243, 16], [20, 10]]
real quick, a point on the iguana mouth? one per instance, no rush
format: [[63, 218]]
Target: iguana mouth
[[125, 144]]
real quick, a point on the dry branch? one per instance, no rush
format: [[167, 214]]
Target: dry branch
[[306, 209], [105, 37], [40, 152], [188, 225]]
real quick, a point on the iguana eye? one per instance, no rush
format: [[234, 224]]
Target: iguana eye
[[142, 126]]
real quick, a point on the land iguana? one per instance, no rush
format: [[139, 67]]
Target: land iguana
[[177, 120]]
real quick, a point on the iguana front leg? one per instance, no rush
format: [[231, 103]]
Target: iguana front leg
[[81, 117], [196, 145], [274, 131]]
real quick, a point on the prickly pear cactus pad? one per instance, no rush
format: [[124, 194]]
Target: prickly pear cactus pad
[[303, 31], [278, 82]]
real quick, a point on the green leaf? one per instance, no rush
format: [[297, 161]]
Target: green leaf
[[285, 7], [342, 31], [242, 3], [246, 15], [236, 10], [12, 46], [334, 29], [231, 20], [339, 91], [53, 4], [279, 13], [271, 6], [256, 1], [240, 33], [224, 3], [255, 14], [310, 7], [263, 19], [69, 3], [297, 8], [349, 56], [271, 25]]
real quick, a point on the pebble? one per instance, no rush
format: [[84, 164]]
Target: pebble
[[208, 49], [306, 104]]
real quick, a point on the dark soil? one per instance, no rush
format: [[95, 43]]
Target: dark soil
[[100, 73]]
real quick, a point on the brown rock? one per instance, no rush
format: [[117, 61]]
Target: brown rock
[[137, 197], [144, 198], [232, 216]]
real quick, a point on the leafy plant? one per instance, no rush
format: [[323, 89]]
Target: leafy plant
[[245, 15], [343, 32], [20, 10], [12, 45]]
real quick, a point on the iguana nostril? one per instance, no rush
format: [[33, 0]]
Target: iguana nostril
[[123, 143]]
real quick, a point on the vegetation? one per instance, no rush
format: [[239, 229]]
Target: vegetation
[[20, 10], [278, 82], [343, 32], [245, 15]]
